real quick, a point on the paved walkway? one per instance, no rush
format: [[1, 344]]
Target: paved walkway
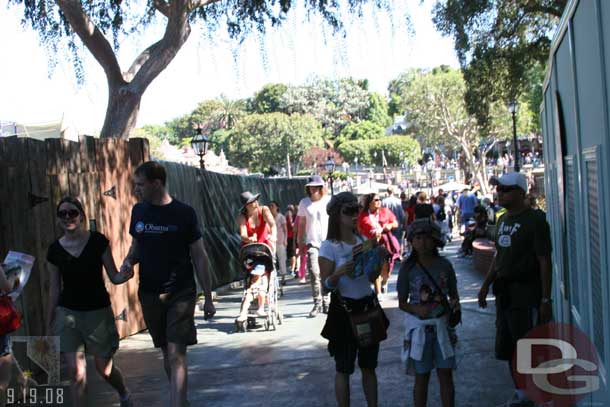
[[291, 367]]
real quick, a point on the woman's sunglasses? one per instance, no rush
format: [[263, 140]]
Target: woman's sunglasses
[[376, 199], [68, 214]]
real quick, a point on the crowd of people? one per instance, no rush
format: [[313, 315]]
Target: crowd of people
[[318, 241]]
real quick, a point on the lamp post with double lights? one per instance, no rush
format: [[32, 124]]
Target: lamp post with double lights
[[513, 108], [330, 167], [200, 144]]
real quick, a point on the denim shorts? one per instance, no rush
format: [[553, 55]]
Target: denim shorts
[[5, 345], [433, 356]]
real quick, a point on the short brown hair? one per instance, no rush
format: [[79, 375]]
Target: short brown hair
[[152, 170]]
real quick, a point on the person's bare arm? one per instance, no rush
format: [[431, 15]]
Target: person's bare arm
[[269, 220], [328, 270], [489, 279], [132, 258], [302, 234], [53, 300], [111, 270], [200, 262], [243, 230]]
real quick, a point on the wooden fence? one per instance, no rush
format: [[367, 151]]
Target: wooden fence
[[34, 176]]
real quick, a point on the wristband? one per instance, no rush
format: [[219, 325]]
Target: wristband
[[328, 285]]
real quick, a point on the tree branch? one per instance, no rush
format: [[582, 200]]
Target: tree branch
[[162, 7], [155, 59], [92, 37]]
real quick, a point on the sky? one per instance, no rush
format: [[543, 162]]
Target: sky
[[378, 46]]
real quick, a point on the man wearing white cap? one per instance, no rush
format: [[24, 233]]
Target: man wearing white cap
[[313, 225], [520, 271]]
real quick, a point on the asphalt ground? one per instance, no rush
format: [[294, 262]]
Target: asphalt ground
[[291, 366]]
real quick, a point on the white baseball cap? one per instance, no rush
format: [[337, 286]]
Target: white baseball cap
[[510, 179]]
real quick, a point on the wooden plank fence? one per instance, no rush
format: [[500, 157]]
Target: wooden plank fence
[[34, 176]]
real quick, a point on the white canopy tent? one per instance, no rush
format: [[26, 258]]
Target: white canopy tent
[[452, 186]]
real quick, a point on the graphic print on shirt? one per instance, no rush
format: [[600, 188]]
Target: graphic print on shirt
[[505, 233], [151, 228], [424, 293]]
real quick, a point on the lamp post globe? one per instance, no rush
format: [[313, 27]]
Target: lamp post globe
[[200, 144], [330, 167]]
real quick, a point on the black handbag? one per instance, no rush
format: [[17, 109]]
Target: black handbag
[[455, 312], [368, 325]]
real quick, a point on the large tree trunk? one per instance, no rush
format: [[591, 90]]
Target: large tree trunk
[[121, 113], [125, 89]]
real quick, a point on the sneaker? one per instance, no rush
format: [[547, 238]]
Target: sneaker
[[315, 310], [127, 402], [381, 296], [325, 308], [303, 280]]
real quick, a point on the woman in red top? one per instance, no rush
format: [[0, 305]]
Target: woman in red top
[[377, 222], [256, 225]]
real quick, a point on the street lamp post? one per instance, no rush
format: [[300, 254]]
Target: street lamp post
[[330, 167], [200, 144], [513, 108]]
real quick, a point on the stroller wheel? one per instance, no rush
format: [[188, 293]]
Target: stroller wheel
[[251, 323]]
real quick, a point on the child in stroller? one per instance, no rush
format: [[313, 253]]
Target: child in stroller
[[261, 282]]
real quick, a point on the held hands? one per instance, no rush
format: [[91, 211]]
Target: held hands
[[124, 274]]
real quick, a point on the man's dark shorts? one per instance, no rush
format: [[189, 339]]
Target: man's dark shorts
[[512, 324], [345, 356], [170, 318]]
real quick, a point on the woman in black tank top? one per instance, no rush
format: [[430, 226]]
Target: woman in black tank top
[[80, 312]]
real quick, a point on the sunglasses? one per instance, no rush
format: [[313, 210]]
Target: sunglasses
[[68, 214], [376, 199], [506, 188]]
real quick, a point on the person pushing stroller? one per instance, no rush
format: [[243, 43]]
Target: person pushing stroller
[[256, 225]]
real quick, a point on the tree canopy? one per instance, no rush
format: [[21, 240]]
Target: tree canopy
[[500, 45], [263, 141], [101, 25], [434, 102]]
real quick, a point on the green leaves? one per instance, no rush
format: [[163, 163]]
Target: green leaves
[[261, 141], [397, 149], [498, 44]]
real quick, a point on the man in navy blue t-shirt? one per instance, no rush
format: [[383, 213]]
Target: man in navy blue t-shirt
[[167, 243]]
